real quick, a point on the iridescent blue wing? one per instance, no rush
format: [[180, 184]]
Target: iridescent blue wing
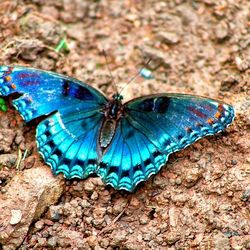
[[154, 127], [174, 121], [67, 138], [130, 158]]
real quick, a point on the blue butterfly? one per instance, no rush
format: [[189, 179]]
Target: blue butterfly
[[86, 133]]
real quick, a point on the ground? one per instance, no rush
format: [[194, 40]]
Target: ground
[[200, 199]]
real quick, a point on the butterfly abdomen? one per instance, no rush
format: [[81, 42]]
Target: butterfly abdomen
[[107, 133], [113, 111]]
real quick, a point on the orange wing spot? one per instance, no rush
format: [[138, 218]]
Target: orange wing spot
[[13, 86], [220, 108], [9, 71], [8, 78], [218, 115], [210, 121]]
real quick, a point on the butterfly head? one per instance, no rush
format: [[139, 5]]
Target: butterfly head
[[117, 97]]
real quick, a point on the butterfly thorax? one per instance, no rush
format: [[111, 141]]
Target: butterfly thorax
[[113, 111]]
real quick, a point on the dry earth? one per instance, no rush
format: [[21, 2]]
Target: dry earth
[[200, 199]]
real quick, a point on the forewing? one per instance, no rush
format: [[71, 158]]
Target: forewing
[[43, 92], [67, 138], [174, 121]]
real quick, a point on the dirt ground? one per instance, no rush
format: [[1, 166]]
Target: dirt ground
[[200, 199]]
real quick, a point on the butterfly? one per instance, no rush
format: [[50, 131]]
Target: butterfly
[[124, 143]]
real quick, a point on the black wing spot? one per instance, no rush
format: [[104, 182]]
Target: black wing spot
[[113, 169], [103, 165], [147, 105], [157, 104], [147, 162], [66, 161], [83, 93], [80, 163], [137, 167], [166, 143], [92, 161], [58, 152], [66, 88], [161, 104], [130, 133], [47, 133], [51, 144], [79, 92], [125, 173], [156, 153], [179, 137]]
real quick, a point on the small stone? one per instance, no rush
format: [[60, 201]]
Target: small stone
[[16, 216], [169, 38], [221, 242], [39, 225], [173, 216], [241, 64], [192, 177], [246, 194], [54, 212], [144, 219], [221, 31], [94, 196], [28, 49], [119, 206], [173, 237], [8, 160], [84, 204], [99, 223], [6, 140], [89, 186], [41, 241], [52, 242], [158, 57], [229, 82], [118, 236], [99, 212]]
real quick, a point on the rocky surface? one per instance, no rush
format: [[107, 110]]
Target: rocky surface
[[200, 199], [27, 196]]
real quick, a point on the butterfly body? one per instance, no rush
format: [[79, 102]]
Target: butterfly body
[[123, 143]]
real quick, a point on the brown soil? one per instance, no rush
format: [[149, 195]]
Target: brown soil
[[200, 199]]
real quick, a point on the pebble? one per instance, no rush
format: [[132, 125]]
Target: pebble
[[39, 225], [192, 177], [16, 216], [8, 160], [222, 31], [221, 242], [169, 38], [241, 64], [246, 195], [6, 140], [28, 49], [89, 186], [144, 219], [158, 57], [52, 242], [119, 206]]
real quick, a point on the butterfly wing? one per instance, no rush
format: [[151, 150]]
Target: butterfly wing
[[154, 127], [174, 121], [67, 138], [130, 158]]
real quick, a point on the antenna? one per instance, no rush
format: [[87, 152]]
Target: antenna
[[137, 74], [111, 76]]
